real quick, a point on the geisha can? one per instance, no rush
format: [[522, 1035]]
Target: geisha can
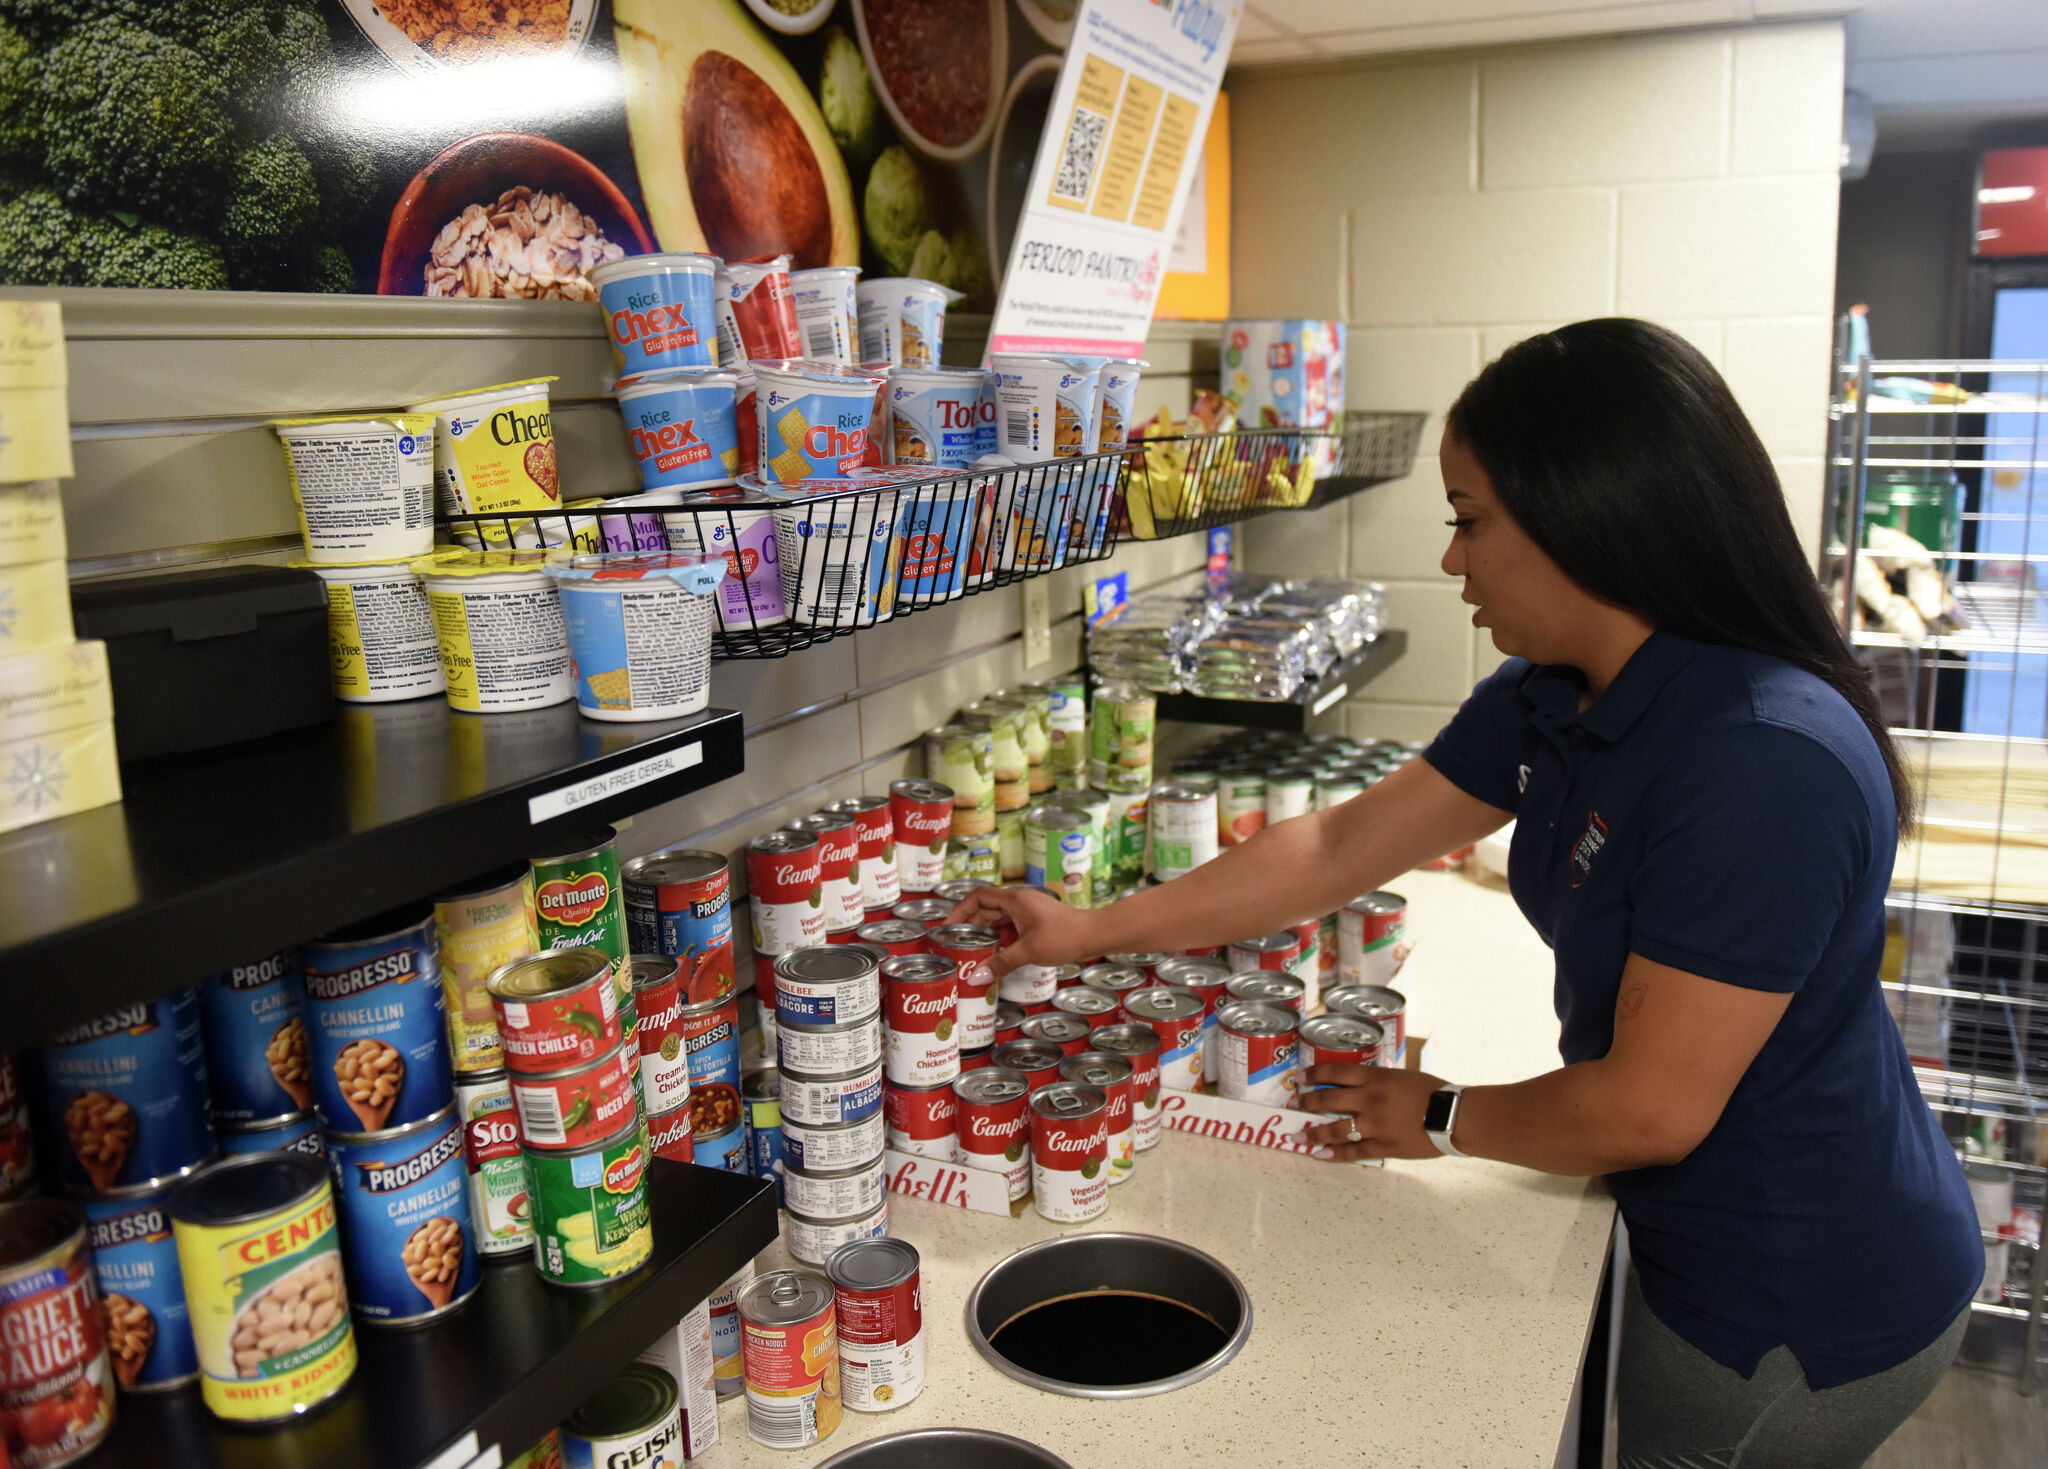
[[1069, 1152], [992, 1124], [1139, 1046], [922, 813], [875, 831], [921, 1040], [784, 876]]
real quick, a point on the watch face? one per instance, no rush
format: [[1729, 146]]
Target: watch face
[[1438, 1117]]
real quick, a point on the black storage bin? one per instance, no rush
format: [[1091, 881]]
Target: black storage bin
[[206, 658]]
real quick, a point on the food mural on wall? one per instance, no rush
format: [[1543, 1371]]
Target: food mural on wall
[[505, 147]]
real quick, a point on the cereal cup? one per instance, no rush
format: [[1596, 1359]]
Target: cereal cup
[[903, 320], [640, 632], [840, 558], [756, 311], [633, 522], [660, 311], [814, 417], [363, 486], [682, 427], [494, 451], [826, 315], [380, 632], [934, 416], [498, 625], [743, 534], [747, 419], [1117, 390], [1091, 396], [1043, 408], [937, 550]]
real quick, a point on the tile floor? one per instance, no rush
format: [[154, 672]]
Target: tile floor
[[1976, 1418]]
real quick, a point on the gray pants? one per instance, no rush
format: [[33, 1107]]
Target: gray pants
[[1680, 1409]]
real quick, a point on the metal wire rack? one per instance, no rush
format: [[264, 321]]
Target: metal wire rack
[[1183, 483]]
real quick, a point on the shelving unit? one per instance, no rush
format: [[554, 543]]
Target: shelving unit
[[1315, 697], [501, 1371]]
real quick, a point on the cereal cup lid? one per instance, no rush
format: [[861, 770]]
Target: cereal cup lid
[[752, 271], [324, 424], [658, 263], [636, 384], [826, 272], [691, 572], [829, 375], [456, 564], [891, 285], [481, 397], [929, 377], [1027, 360], [394, 568]]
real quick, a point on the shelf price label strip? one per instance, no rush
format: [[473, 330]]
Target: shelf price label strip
[[573, 797]]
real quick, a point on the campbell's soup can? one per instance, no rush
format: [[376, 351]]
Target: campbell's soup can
[[1091, 1005], [879, 1299], [900, 936], [921, 1042], [1266, 984], [1268, 951], [1259, 1049], [920, 1119], [1037, 1061], [673, 1135], [1034, 984], [922, 811], [970, 946], [1341, 1040], [790, 1345], [1069, 1152], [875, 827], [726, 1372], [1009, 1022], [1386, 1008], [1372, 938], [555, 1009], [830, 1050], [127, 1093], [992, 1125], [838, 867], [56, 1385], [825, 1100], [1138, 1045], [500, 1212], [975, 1060], [579, 902], [1308, 964], [1175, 1015], [252, 1018], [832, 985], [785, 879], [17, 1134], [658, 999], [143, 1314], [481, 929], [1111, 1075], [1068, 1032], [679, 903]]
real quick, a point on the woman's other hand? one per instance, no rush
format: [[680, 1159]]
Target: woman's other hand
[[1388, 1103], [1048, 931]]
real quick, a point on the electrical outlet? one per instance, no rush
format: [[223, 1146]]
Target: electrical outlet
[[1037, 623]]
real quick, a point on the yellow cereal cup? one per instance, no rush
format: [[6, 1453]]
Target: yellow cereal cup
[[498, 625], [380, 632], [494, 451]]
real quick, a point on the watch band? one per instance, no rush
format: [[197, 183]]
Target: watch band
[[1442, 1118]]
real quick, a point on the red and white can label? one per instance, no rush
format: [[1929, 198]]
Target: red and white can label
[[664, 1059], [1372, 939], [1262, 1069], [921, 1044], [56, 1388], [787, 898], [580, 1108], [552, 1031], [1146, 1123], [1123, 1137], [975, 1008], [830, 1052], [1245, 957], [1070, 1167], [839, 877], [922, 1120], [879, 885], [1180, 1048], [881, 1345], [996, 1136], [1030, 984], [673, 1135], [922, 827]]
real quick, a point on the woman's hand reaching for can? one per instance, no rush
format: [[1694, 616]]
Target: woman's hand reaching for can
[[1048, 931]]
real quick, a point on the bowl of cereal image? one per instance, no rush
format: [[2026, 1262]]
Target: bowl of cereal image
[[422, 36], [507, 215]]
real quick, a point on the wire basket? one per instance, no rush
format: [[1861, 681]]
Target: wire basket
[[1196, 482]]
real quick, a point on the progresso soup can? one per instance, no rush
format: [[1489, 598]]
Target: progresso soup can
[[142, 1292], [255, 1040], [298, 1133], [679, 903], [405, 1231], [375, 1025], [127, 1094], [56, 1392]]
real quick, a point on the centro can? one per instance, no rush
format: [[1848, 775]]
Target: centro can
[[1139, 1046], [825, 1149], [635, 1419], [1371, 938], [481, 930], [578, 902], [1342, 1039], [880, 885], [127, 1094], [920, 994], [556, 1009], [1181, 821], [378, 1042], [591, 1220], [921, 1119], [255, 1040], [813, 1240], [1258, 984], [790, 1343], [1068, 1032], [1258, 1049], [784, 876], [1175, 1016], [831, 1050], [500, 1211], [826, 986], [142, 1294], [822, 1101], [298, 1133], [261, 1258], [900, 936], [1386, 1008], [1038, 1062], [405, 1219], [838, 867], [578, 1106], [679, 903], [880, 1306], [1277, 951], [1059, 853], [835, 1193], [56, 1400], [1111, 1075], [922, 811], [970, 946], [992, 1125], [658, 997], [1069, 1152]]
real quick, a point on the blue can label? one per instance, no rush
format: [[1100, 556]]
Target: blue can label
[[256, 1040], [725, 1150], [128, 1094], [712, 1042], [300, 1134], [658, 320], [142, 1292], [405, 1227], [377, 1039]]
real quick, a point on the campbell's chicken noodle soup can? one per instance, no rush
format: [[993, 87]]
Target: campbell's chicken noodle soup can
[[1035, 984], [970, 946], [921, 1040], [1112, 1076], [931, 912], [56, 1383], [879, 1299], [900, 936], [1340, 1039], [992, 1124], [260, 1254], [1069, 1152], [838, 867], [679, 903], [833, 985], [578, 1106], [481, 929], [922, 811], [253, 1019], [1089, 1005], [580, 902], [920, 1119], [1009, 1022], [1175, 1015], [500, 1213], [830, 1050], [824, 1101], [658, 999], [1386, 1008], [790, 1349], [143, 1314], [1372, 938], [555, 1009], [1056, 1027], [673, 1135], [17, 1133], [785, 880], [1138, 1045], [1278, 987], [127, 1094], [875, 825], [1258, 1050], [975, 1060], [1276, 951]]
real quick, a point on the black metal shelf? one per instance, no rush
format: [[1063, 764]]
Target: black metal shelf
[[1316, 697], [215, 858], [504, 1369]]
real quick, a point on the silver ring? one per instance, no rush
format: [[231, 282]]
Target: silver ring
[[1355, 1137]]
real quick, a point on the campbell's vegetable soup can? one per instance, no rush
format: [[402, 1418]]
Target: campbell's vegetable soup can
[[1386, 1008], [921, 1119], [578, 1106], [1111, 1075], [790, 1346], [880, 1313], [757, 311], [679, 903], [1372, 934], [591, 1217], [261, 1257], [1069, 1152], [838, 867], [825, 1100], [127, 1094], [406, 1233], [660, 310], [142, 1292], [929, 911], [1175, 1015], [633, 1420], [255, 1031], [658, 1000], [500, 1211], [992, 1124], [875, 827], [1068, 1032], [785, 872], [1138, 1045], [555, 1009], [481, 930], [580, 902], [682, 427], [1037, 1061], [923, 814], [56, 1389], [1258, 1051]]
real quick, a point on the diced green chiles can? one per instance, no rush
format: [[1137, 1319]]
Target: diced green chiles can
[[591, 1218], [579, 902]]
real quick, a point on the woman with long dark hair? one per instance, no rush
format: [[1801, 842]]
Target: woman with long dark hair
[[1706, 809]]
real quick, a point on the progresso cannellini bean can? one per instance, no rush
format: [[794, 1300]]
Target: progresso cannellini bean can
[[127, 1094], [255, 1040], [879, 1300], [56, 1402], [790, 1344], [375, 1023], [142, 1292], [405, 1230], [1069, 1152]]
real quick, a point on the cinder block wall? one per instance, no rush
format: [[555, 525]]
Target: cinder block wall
[[1448, 206]]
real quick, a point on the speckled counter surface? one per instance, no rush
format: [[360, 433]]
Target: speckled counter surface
[[1428, 1314]]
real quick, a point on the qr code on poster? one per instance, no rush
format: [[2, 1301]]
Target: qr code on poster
[[1077, 159]]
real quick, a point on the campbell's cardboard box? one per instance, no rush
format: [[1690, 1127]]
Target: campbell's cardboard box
[[1285, 374]]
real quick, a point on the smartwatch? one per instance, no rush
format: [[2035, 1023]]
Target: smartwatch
[[1441, 1117]]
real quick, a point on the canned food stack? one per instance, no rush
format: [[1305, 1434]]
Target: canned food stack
[[831, 1051]]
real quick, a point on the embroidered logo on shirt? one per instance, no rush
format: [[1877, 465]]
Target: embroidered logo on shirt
[[1588, 847], [1521, 780]]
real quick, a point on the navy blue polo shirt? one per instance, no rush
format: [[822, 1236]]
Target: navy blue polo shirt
[[1728, 814]]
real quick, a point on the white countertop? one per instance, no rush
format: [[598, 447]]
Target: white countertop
[[1424, 1313]]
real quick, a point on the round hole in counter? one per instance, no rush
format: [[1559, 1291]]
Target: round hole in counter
[[1109, 1315], [946, 1448]]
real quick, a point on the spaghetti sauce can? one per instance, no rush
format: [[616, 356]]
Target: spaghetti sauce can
[[658, 998], [679, 904], [922, 812], [992, 1125], [56, 1385], [481, 930], [789, 1343], [879, 1301], [1069, 1152], [1138, 1045]]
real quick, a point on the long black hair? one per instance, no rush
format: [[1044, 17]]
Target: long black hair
[[1621, 452]]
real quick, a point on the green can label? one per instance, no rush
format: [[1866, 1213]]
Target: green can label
[[579, 902], [1122, 749], [591, 1220], [964, 759]]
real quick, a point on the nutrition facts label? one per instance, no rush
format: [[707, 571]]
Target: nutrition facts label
[[517, 652], [397, 633], [352, 488], [668, 641]]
